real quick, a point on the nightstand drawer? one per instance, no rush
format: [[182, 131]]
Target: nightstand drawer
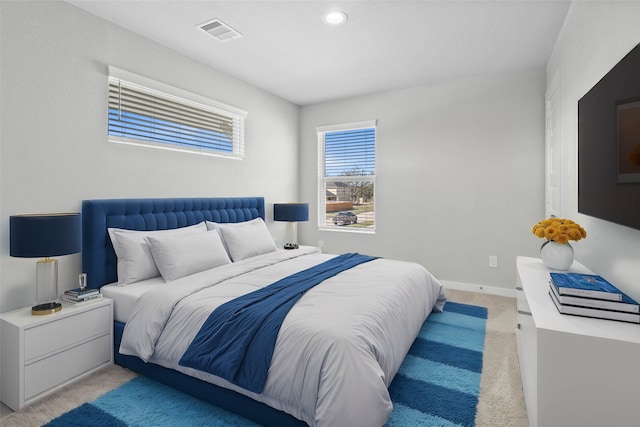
[[53, 371], [58, 334]]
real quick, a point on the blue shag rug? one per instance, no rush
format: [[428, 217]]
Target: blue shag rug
[[438, 384]]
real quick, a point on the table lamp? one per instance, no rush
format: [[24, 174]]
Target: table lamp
[[292, 213], [45, 236]]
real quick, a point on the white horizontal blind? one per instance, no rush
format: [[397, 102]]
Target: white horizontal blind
[[350, 152], [143, 115], [346, 178]]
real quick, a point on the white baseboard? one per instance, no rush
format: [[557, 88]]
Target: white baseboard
[[470, 287]]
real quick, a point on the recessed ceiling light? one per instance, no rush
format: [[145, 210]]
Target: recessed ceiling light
[[336, 17]]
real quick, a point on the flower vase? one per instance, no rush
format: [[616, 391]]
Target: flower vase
[[556, 256]]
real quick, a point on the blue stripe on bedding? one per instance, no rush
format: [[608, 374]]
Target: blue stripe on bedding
[[237, 340]]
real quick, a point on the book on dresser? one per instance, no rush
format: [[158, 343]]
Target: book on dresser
[[586, 285], [594, 312], [79, 296], [627, 304]]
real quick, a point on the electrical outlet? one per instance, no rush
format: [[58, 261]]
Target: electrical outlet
[[493, 261]]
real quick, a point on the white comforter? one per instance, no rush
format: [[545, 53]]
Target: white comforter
[[338, 349]]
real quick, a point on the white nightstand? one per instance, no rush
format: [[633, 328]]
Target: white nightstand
[[41, 354]]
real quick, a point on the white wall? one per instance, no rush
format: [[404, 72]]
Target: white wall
[[460, 164], [54, 148], [595, 36], [459, 176]]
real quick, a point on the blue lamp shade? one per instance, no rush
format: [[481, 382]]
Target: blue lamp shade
[[46, 235], [291, 212]]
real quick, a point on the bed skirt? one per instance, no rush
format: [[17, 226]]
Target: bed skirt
[[221, 397]]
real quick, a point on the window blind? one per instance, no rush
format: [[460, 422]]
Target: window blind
[[350, 152], [140, 114]]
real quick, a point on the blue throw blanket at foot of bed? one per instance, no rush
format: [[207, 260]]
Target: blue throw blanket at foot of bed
[[237, 340]]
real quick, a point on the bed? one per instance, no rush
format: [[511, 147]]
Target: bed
[[337, 349]]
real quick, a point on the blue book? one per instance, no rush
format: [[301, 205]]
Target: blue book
[[594, 312], [588, 286], [601, 304]]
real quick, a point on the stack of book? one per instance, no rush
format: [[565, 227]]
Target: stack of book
[[80, 296], [591, 296]]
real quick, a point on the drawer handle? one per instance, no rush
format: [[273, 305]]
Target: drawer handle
[[526, 313], [519, 288]]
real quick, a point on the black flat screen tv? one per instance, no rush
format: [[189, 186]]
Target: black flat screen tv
[[609, 145]]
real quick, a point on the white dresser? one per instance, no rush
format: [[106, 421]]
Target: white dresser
[[41, 354], [576, 371]]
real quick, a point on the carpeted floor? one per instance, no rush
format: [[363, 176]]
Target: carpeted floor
[[501, 396], [500, 404]]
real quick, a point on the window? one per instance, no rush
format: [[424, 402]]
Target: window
[[346, 176], [150, 113]]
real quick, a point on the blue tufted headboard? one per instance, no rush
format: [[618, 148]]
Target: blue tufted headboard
[[98, 257]]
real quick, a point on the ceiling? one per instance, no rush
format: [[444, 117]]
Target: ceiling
[[287, 50]]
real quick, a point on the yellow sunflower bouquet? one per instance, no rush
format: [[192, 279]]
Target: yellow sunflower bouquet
[[559, 230]]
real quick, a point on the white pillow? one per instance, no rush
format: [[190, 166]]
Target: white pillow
[[245, 239], [135, 261], [182, 255]]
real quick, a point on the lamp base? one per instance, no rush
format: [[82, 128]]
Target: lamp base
[[292, 235], [46, 280], [46, 308]]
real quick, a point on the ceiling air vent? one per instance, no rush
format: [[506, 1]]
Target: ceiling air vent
[[220, 31]]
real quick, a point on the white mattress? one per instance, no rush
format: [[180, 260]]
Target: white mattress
[[125, 297]]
